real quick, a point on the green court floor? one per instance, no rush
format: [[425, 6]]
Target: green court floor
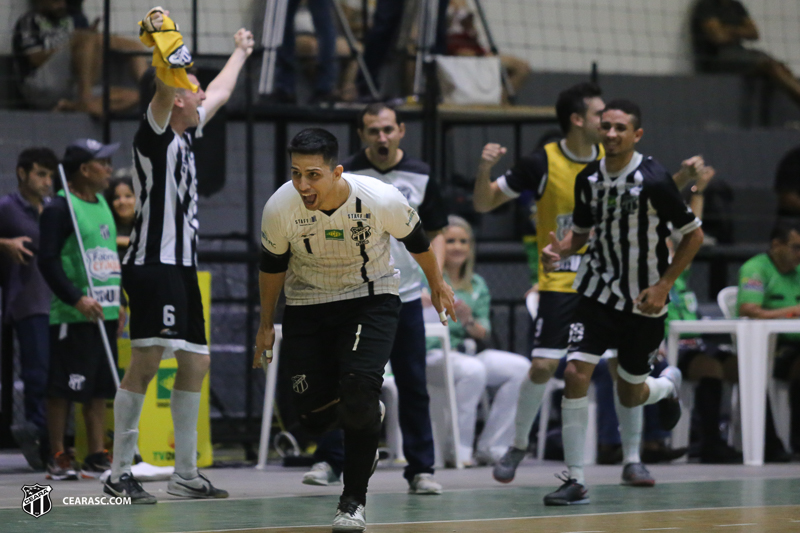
[[458, 506]]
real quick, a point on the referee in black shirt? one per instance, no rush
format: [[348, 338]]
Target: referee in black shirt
[[626, 207], [160, 275]]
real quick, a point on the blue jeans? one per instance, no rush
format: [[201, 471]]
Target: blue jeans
[[34, 347], [408, 366], [327, 62]]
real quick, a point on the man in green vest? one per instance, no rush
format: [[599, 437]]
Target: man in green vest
[[79, 366]]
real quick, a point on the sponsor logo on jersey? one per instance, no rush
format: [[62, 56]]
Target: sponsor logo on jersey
[[104, 231], [180, 58], [36, 500], [103, 263], [264, 237], [305, 221], [334, 235], [358, 216], [752, 284], [361, 234], [411, 214]]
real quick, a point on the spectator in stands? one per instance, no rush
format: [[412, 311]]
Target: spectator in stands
[[59, 60], [719, 29], [462, 40], [26, 297], [382, 34], [787, 185], [769, 288], [489, 368], [122, 201], [327, 66]]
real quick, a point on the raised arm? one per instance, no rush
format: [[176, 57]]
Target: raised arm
[[220, 89], [487, 195]]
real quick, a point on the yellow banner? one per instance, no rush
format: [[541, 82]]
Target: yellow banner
[[156, 436]]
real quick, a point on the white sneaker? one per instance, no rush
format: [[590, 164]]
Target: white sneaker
[[321, 474], [424, 484], [196, 487], [350, 516]]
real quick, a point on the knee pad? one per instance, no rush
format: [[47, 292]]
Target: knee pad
[[319, 422], [358, 406]]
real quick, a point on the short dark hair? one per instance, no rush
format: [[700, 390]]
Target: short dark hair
[[626, 106], [782, 229], [572, 101], [313, 141], [40, 155], [374, 109]]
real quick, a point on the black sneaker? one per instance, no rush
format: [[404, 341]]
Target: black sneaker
[[669, 409], [506, 467], [570, 493], [95, 464], [128, 487], [28, 439]]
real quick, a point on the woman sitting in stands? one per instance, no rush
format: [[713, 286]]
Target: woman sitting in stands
[[498, 370]]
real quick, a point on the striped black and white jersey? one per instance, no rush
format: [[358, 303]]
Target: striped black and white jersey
[[343, 255], [412, 178], [165, 227], [632, 213]]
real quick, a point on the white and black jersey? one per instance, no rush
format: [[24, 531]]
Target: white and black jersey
[[412, 178], [165, 227], [632, 213], [343, 255]]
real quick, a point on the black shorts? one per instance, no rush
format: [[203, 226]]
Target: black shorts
[[79, 368], [556, 311], [166, 308], [598, 327], [323, 342]]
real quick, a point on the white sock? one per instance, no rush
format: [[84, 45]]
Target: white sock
[[185, 406], [660, 388], [631, 420], [574, 419], [127, 410], [528, 403]]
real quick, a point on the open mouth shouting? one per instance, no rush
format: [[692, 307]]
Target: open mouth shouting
[[309, 199], [383, 151]]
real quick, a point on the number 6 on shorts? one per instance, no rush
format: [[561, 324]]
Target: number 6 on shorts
[[169, 315]]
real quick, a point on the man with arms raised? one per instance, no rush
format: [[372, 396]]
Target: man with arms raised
[[160, 274]]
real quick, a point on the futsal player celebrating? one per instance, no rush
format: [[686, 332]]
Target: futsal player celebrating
[[626, 206], [326, 240], [160, 271]]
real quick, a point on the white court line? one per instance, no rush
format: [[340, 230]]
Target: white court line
[[733, 525], [658, 528], [540, 517]]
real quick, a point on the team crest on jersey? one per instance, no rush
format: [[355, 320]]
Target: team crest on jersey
[[299, 383], [104, 231], [36, 501], [76, 382], [361, 234], [629, 204], [180, 58]]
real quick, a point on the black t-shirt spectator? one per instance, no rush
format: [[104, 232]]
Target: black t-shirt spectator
[[730, 13], [787, 178], [34, 32]]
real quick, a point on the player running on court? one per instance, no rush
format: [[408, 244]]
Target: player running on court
[[626, 206], [326, 240]]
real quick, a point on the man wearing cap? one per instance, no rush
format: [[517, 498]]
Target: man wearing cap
[[79, 366]]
